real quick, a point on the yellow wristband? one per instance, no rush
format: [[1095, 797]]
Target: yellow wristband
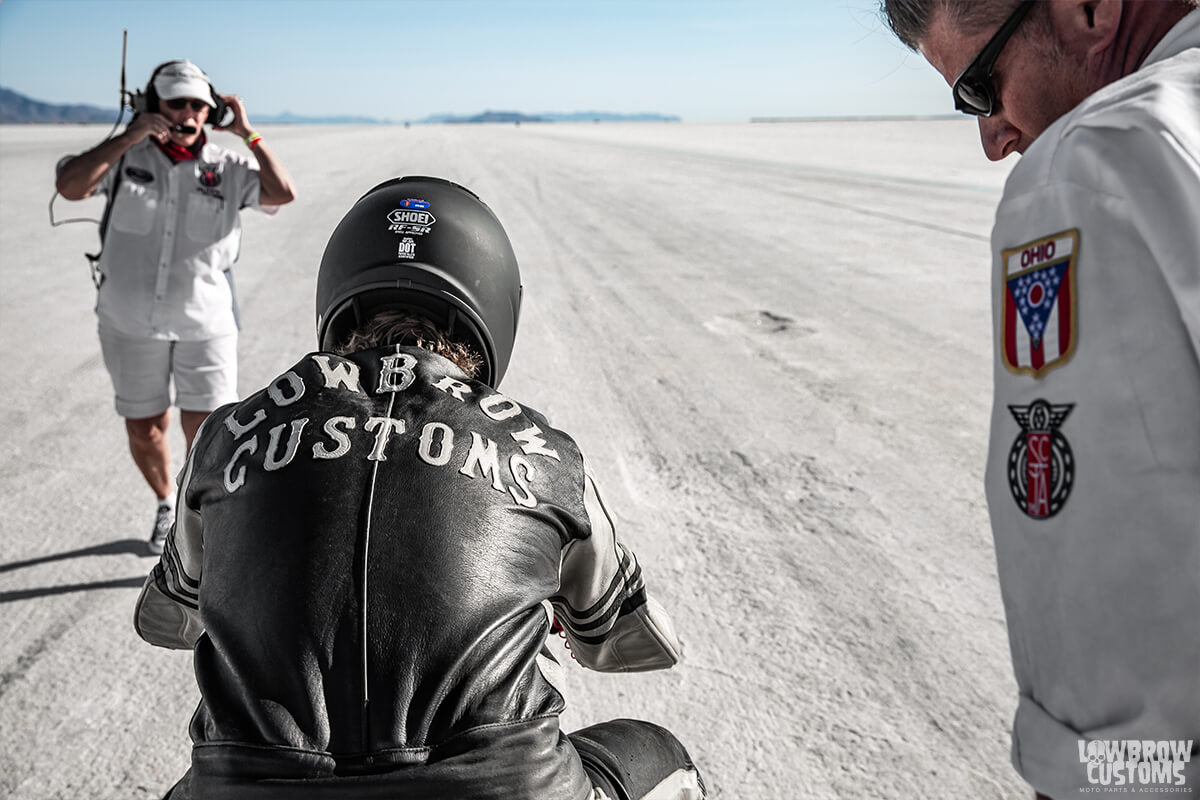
[[252, 139]]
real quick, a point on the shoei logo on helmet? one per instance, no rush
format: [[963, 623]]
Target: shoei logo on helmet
[[414, 203], [413, 223]]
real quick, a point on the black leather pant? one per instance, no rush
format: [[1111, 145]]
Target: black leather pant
[[624, 758]]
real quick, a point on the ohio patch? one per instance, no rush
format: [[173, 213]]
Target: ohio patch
[[1041, 466], [1039, 312]]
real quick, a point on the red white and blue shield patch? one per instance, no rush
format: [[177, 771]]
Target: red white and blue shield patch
[[1038, 311]]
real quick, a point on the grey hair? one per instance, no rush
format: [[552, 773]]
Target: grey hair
[[910, 19], [398, 327]]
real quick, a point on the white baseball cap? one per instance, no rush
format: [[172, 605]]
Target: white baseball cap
[[183, 79]]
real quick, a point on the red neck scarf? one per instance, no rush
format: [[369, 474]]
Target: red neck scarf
[[177, 152]]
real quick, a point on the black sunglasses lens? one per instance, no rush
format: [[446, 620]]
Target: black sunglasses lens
[[178, 105], [973, 97]]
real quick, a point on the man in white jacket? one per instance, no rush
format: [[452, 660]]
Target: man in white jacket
[[1093, 478]]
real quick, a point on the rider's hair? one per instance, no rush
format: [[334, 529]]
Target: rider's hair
[[400, 327]]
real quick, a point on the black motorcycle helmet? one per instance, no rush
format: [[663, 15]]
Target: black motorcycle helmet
[[428, 246]]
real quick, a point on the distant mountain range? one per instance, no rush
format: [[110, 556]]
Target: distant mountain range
[[576, 116], [16, 108], [288, 118]]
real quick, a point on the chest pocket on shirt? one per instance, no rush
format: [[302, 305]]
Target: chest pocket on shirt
[[134, 208], [205, 218]]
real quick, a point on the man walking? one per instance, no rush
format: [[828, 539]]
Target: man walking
[[165, 304]]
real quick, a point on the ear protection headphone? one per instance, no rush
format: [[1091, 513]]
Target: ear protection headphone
[[148, 101]]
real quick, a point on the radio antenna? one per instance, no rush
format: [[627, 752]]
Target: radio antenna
[[54, 223], [124, 40]]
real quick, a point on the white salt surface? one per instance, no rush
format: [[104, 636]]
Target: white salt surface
[[771, 342]]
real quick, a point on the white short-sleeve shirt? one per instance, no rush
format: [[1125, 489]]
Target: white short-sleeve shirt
[[173, 234]]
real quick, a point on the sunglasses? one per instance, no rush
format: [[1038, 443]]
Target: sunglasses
[[973, 89], [180, 103]]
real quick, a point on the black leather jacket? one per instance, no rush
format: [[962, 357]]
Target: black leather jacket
[[366, 558]]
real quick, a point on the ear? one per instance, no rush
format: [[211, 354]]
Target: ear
[[1088, 25]]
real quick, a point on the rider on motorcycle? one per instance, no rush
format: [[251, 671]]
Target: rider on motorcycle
[[369, 552]]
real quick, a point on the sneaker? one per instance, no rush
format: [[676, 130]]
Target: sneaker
[[163, 520]]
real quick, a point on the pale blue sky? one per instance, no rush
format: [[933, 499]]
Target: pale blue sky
[[704, 60]]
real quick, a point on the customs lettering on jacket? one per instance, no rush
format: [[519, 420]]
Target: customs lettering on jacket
[[436, 443]]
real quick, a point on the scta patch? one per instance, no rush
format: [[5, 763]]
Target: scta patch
[[1039, 313], [1041, 465]]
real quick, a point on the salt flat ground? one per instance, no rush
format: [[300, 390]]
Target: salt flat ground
[[771, 341]]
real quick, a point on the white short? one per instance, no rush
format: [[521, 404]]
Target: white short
[[141, 369]]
